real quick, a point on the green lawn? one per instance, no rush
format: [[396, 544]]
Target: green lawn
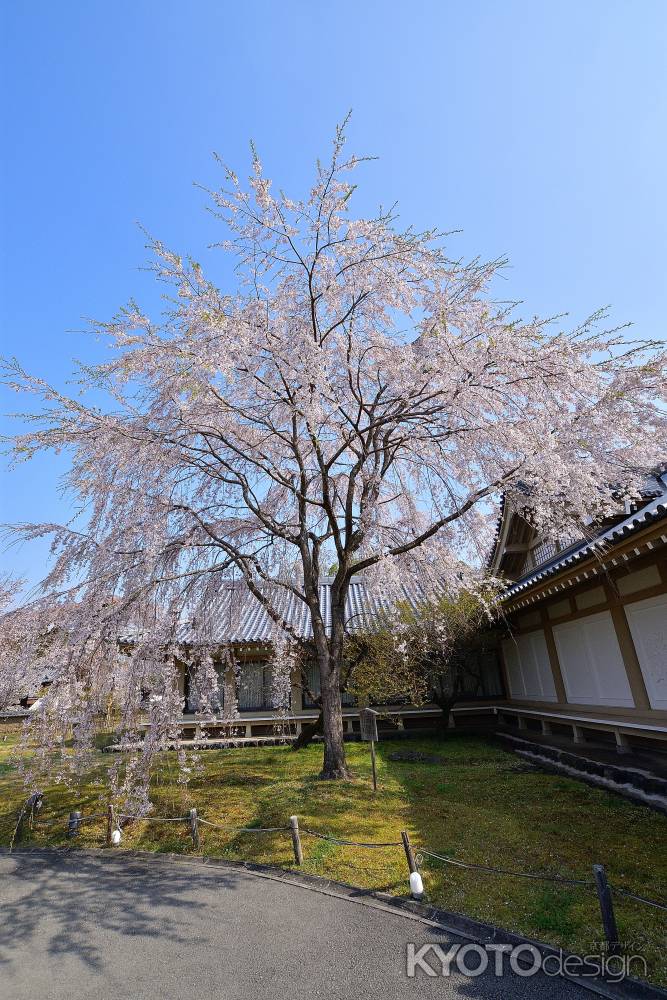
[[481, 805]]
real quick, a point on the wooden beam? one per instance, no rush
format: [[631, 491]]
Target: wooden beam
[[627, 647], [556, 672]]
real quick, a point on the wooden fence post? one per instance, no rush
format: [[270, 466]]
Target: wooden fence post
[[33, 804], [373, 766], [409, 853], [73, 823], [110, 823], [416, 884], [194, 828], [296, 840], [606, 909]]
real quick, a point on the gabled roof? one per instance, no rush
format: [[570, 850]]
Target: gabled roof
[[652, 511]]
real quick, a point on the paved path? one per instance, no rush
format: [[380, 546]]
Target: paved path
[[79, 926]]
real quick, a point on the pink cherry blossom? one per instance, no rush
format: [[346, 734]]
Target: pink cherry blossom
[[358, 399]]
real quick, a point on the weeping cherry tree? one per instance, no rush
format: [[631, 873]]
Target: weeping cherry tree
[[357, 398]]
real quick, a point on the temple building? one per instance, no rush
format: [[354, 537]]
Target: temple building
[[582, 652], [585, 646]]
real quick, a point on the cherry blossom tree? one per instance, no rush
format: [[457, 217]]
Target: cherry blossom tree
[[358, 398]]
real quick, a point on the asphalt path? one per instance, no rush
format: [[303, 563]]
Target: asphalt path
[[112, 927]]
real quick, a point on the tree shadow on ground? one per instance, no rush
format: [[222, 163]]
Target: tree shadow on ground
[[55, 899]]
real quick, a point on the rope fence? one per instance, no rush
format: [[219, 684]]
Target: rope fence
[[503, 871], [245, 829], [414, 855], [351, 843]]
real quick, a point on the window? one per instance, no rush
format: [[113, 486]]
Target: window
[[254, 686], [542, 553], [547, 550], [190, 687], [313, 675]]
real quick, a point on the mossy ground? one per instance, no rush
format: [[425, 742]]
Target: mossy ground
[[481, 805]]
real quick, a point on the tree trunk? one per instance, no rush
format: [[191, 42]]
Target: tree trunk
[[445, 705], [308, 732], [329, 662], [335, 765]]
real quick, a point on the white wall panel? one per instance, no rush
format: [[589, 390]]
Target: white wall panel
[[528, 667], [589, 598], [648, 625], [591, 662], [515, 683], [641, 579]]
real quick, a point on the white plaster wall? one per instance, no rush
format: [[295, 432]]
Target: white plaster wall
[[528, 667], [648, 624], [591, 662]]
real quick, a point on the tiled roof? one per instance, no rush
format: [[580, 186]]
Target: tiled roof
[[239, 617], [654, 510]]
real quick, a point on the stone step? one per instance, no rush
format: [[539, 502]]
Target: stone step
[[635, 783]]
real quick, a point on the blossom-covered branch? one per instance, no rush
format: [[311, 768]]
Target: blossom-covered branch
[[359, 397]]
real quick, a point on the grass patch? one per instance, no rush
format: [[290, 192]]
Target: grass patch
[[475, 805]]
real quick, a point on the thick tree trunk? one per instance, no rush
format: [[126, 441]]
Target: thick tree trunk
[[335, 765], [329, 660], [308, 732]]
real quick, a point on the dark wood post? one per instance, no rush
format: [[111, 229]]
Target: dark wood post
[[375, 778], [606, 909], [110, 823], [296, 840], [194, 828], [409, 853], [74, 823], [368, 728]]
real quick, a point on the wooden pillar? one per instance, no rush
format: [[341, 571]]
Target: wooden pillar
[[627, 647], [578, 734], [556, 673]]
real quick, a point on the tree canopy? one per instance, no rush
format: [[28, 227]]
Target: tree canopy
[[358, 398]]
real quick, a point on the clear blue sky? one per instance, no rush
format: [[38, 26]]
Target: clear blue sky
[[539, 128]]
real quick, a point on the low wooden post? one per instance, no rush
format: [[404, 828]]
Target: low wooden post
[[606, 909], [409, 853], [375, 777], [34, 804], [194, 828], [296, 840], [73, 823], [110, 823]]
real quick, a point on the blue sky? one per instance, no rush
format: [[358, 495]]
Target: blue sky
[[536, 128]]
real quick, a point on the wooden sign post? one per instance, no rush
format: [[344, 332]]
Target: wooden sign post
[[369, 732]]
